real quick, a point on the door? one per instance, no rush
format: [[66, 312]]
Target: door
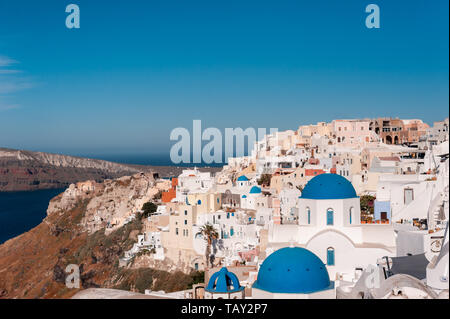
[[383, 216], [409, 195]]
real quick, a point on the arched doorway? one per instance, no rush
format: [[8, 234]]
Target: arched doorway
[[388, 139]]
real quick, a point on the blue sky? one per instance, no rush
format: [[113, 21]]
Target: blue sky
[[137, 69]]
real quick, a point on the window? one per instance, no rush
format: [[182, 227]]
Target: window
[[350, 213], [308, 211], [185, 212], [185, 221], [176, 231], [330, 216], [187, 233], [330, 256]]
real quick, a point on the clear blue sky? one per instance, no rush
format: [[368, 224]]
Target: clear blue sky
[[137, 69]]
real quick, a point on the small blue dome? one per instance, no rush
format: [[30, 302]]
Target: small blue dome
[[242, 178], [224, 281], [255, 190], [293, 270], [244, 196], [328, 186]]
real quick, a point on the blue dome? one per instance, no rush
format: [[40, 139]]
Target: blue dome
[[242, 178], [224, 281], [255, 190], [293, 270], [328, 186], [244, 196]]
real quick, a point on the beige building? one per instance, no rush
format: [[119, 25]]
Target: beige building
[[180, 234], [351, 132], [321, 128], [205, 202], [369, 153], [289, 178]]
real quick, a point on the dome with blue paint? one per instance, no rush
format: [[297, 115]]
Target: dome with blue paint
[[293, 270], [328, 186], [242, 178], [224, 281], [255, 190], [244, 196]]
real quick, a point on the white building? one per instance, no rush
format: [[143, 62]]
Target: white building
[[329, 225]]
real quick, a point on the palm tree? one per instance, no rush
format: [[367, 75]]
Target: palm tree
[[209, 233]]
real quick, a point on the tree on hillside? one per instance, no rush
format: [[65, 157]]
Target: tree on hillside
[[264, 179], [158, 195], [209, 234], [149, 209]]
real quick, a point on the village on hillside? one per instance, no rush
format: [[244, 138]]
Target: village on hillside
[[347, 209]]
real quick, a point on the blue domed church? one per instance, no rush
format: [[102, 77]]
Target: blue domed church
[[329, 200], [224, 285], [329, 226], [293, 272]]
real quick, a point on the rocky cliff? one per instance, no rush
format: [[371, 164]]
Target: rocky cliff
[[88, 225], [25, 170]]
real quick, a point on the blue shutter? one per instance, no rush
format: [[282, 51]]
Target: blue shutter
[[309, 216], [330, 257], [330, 218]]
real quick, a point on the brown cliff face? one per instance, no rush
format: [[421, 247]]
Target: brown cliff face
[[33, 264]]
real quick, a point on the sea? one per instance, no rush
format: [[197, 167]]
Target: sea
[[22, 211]]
